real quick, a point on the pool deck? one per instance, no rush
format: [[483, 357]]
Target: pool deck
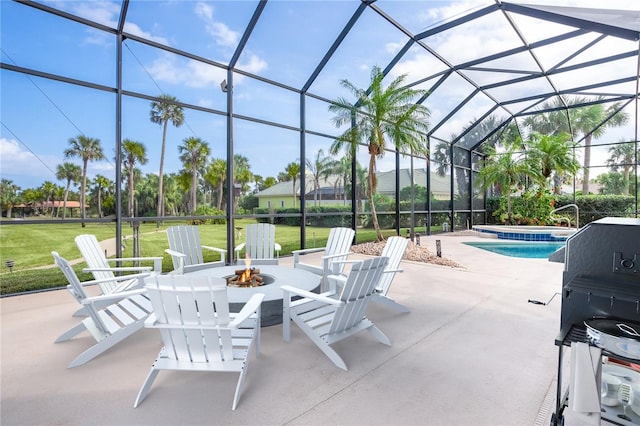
[[472, 351]]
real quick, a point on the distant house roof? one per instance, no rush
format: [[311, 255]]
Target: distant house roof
[[386, 184], [54, 204], [286, 188], [387, 181]]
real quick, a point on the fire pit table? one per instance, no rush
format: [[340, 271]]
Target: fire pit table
[[274, 277]]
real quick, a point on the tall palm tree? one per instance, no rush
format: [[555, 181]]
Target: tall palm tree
[[623, 156], [163, 111], [241, 174], [68, 172], [379, 114], [101, 184], [216, 175], [505, 170], [293, 171], [134, 152], [584, 120], [88, 149], [193, 154], [548, 154], [318, 168]]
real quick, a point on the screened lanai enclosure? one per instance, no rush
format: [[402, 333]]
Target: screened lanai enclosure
[[224, 108]]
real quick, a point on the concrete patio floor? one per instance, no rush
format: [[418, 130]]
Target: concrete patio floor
[[471, 352]]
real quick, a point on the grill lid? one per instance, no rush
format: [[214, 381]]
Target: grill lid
[[620, 337]]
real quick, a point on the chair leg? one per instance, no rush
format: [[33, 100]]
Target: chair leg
[[78, 328], [379, 335], [105, 344], [390, 303], [146, 386], [321, 344], [236, 396]]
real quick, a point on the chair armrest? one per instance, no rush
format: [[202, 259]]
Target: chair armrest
[[302, 252], [222, 252], [392, 270], [247, 310], [181, 257], [239, 247], [333, 256], [277, 247], [309, 295], [113, 296], [157, 261], [120, 269]]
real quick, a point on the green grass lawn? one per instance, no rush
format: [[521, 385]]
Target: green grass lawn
[[30, 247]]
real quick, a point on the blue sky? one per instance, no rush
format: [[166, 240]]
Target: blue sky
[[40, 115]]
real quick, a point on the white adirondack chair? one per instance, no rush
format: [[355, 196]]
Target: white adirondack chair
[[108, 325], [328, 318], [334, 254], [260, 244], [199, 334], [394, 249], [186, 250], [105, 273]]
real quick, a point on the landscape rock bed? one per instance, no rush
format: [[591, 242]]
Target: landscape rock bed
[[414, 253]]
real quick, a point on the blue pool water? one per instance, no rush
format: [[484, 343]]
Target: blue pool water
[[531, 250]]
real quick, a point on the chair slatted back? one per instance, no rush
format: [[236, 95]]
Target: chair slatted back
[[260, 240], [393, 249], [95, 258], [183, 306], [357, 291], [76, 289], [340, 241], [185, 239]]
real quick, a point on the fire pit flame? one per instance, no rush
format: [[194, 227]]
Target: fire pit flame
[[248, 277]]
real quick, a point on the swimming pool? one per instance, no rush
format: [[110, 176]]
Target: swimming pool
[[530, 250]]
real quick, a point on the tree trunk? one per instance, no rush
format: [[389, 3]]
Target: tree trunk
[[194, 184], [82, 191], [587, 162], [64, 203], [160, 212], [131, 212], [372, 191]]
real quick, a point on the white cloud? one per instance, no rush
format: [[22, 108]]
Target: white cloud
[[16, 160], [223, 35], [29, 171]]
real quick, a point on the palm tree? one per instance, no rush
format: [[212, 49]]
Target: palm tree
[[134, 152], [70, 173], [216, 175], [58, 195], [242, 171], [318, 168], [163, 110], [88, 149], [623, 155], [101, 183], [8, 195], [584, 121], [292, 172], [193, 154], [613, 183], [48, 188], [505, 170], [379, 114], [548, 154], [147, 191]]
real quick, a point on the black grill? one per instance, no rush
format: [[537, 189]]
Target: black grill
[[601, 279]]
